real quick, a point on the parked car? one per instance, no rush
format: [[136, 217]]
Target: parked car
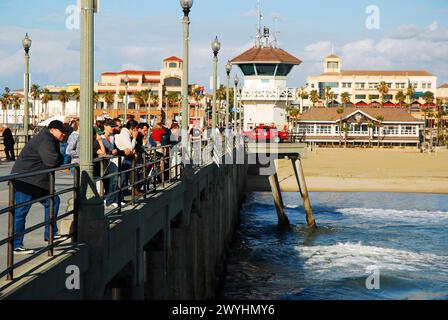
[[266, 133]]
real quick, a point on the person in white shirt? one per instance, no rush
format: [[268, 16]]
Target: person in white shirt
[[126, 141]]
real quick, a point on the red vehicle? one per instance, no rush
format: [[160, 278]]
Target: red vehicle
[[266, 133]]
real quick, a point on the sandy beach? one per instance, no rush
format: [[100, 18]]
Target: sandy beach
[[370, 170]]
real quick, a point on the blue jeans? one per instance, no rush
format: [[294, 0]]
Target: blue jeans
[[62, 149], [21, 213], [112, 185]]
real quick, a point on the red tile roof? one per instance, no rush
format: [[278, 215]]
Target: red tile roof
[[331, 114], [332, 56], [173, 58], [444, 86], [270, 55]]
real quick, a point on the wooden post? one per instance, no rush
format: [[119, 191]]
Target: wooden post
[[278, 200], [297, 165]]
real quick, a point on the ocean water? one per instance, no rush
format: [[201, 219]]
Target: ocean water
[[395, 241]]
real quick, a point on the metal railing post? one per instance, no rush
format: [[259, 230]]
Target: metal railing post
[[102, 179], [51, 215], [145, 189], [75, 204], [119, 181], [10, 258], [133, 186]]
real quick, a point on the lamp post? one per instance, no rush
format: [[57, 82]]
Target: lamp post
[[26, 42], [186, 7], [126, 82], [235, 100], [86, 98], [216, 45], [240, 111], [228, 69]]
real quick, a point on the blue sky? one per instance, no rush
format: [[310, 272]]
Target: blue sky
[[139, 34]]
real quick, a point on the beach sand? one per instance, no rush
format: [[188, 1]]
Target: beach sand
[[370, 170]]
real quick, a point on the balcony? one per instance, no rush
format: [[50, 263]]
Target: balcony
[[270, 94]]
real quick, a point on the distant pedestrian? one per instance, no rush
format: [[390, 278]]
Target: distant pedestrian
[[8, 142], [40, 153]]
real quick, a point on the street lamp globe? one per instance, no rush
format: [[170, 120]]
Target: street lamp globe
[[236, 80], [228, 68], [216, 45], [26, 42], [186, 5], [126, 79]]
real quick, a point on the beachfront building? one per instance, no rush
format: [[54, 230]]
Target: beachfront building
[[265, 95], [359, 126], [362, 86]]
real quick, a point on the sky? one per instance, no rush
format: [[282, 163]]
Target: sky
[[139, 34]]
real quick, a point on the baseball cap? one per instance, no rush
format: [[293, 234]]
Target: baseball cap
[[110, 123], [56, 124], [99, 131]]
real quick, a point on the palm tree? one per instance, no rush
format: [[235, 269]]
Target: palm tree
[[303, 95], [35, 94], [400, 97], [16, 102], [425, 112], [340, 111], [314, 96], [96, 99], [328, 94], [383, 89], [429, 99], [345, 129], [370, 125], [197, 97], [380, 120], [77, 95], [46, 97], [64, 97], [409, 93], [145, 95], [109, 98], [6, 102], [345, 97]]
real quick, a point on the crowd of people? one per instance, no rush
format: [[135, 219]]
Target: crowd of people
[[120, 146]]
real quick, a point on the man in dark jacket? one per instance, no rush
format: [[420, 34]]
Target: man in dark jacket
[[8, 141], [40, 153]]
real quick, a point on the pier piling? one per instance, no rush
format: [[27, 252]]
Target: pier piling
[[298, 171], [278, 200]]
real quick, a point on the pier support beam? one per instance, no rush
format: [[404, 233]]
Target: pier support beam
[[298, 171], [278, 200]]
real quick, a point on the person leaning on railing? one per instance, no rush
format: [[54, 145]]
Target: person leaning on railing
[[40, 153], [8, 142]]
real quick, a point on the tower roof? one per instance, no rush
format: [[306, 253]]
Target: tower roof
[[265, 55], [332, 56]]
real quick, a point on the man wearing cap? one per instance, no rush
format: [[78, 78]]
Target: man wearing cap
[[40, 153]]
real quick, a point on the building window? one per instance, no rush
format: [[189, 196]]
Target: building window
[[392, 130], [408, 130], [312, 86], [360, 85], [374, 96], [172, 65], [400, 85], [172, 82], [373, 85], [360, 96], [306, 129], [426, 85], [346, 84], [332, 65], [358, 129], [388, 97], [415, 85], [323, 129], [389, 85]]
